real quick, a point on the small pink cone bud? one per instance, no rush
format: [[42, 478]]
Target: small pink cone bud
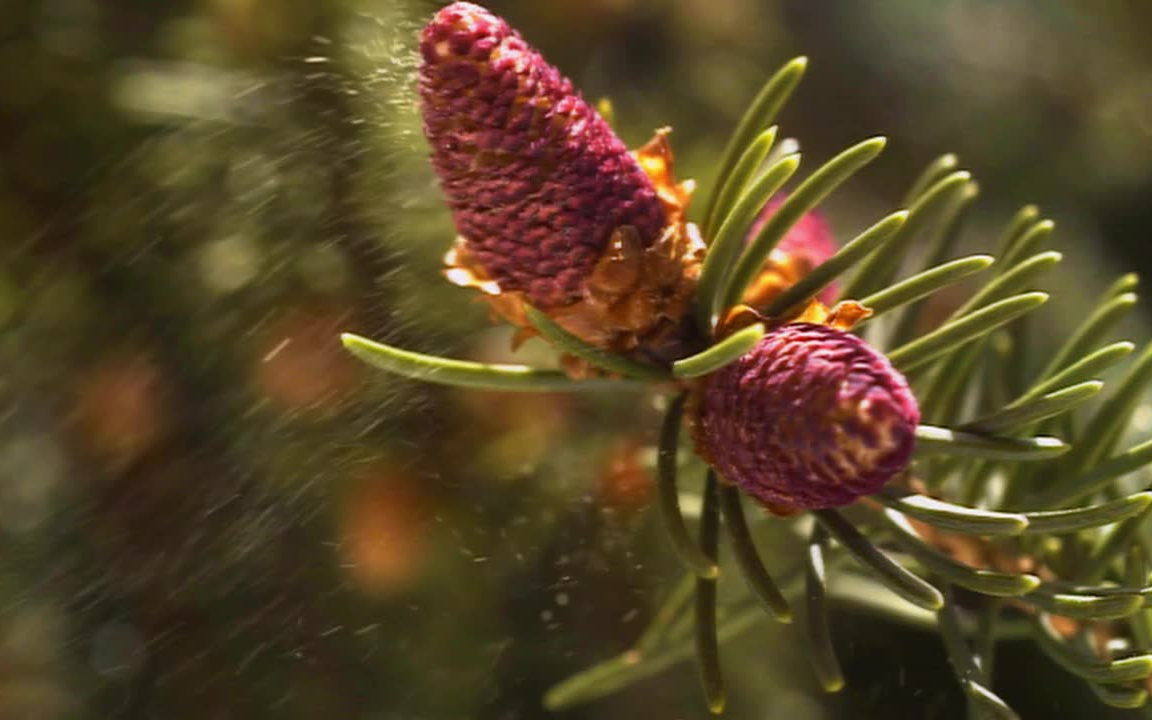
[[536, 180], [811, 417], [805, 246]]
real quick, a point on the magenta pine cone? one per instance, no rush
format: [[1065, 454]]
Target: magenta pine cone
[[536, 179], [812, 417]]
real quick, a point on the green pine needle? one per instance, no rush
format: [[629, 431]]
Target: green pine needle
[[951, 225], [707, 640], [1135, 575], [1110, 311], [1122, 697], [954, 518], [962, 330], [817, 632], [932, 174], [940, 241], [1043, 407], [1111, 416], [824, 274], [737, 181], [1081, 606], [943, 396], [931, 439], [895, 576], [972, 679], [1088, 367], [1129, 669], [987, 632], [760, 114], [478, 376], [880, 268], [1024, 245], [924, 284], [1024, 219], [729, 240], [985, 582], [686, 549], [1014, 279], [1056, 522], [720, 354], [658, 630], [988, 704], [807, 196], [747, 557], [1100, 476], [1124, 284], [597, 357], [1115, 543]]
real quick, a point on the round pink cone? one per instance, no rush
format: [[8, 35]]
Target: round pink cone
[[812, 417]]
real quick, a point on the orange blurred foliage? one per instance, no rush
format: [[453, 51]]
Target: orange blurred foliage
[[384, 523], [625, 483], [301, 366], [121, 408]]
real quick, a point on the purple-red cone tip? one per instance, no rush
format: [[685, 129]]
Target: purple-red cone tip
[[536, 179], [811, 417]]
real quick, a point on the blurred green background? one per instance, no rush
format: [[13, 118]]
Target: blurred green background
[[207, 510]]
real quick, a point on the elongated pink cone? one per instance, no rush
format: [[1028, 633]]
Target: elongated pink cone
[[805, 246], [536, 179], [811, 417], [551, 209]]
